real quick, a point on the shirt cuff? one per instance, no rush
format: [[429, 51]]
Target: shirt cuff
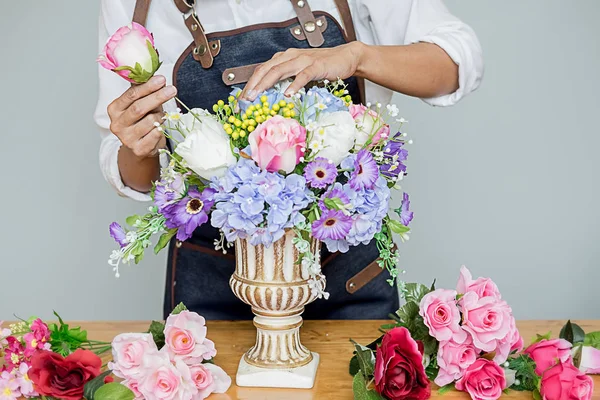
[[468, 58], [110, 169]]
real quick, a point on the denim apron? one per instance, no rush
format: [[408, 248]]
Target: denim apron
[[198, 275]]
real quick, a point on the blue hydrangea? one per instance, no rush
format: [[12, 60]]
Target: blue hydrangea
[[256, 204], [274, 95], [316, 96]]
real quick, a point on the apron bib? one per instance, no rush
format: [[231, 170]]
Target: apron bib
[[197, 274]]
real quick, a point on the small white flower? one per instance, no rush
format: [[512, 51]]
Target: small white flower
[[404, 134], [401, 120], [301, 159], [316, 145], [325, 81], [131, 237], [410, 141], [173, 116], [378, 105], [393, 110], [321, 106], [369, 104]]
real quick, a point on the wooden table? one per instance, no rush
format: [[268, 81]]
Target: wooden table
[[328, 338]]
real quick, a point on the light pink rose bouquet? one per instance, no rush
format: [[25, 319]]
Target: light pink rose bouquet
[[130, 52], [278, 144], [177, 371], [442, 316]]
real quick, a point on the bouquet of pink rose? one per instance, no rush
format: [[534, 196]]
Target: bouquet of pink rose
[[467, 339], [313, 163]]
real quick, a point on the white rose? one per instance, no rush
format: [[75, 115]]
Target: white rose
[[206, 146], [334, 134]]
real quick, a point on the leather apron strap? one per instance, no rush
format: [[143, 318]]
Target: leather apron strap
[[140, 13]]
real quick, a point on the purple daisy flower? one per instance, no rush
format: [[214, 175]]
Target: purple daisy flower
[[118, 233], [190, 212], [405, 214], [167, 193], [333, 225], [365, 171], [320, 173]]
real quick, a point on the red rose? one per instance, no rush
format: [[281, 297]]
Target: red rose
[[483, 380], [565, 382], [63, 378], [399, 372]]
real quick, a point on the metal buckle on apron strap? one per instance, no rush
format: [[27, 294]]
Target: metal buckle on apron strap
[[204, 51], [308, 23]]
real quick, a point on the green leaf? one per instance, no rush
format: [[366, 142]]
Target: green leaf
[[157, 331], [354, 368], [592, 339], [397, 227], [132, 219], [432, 288], [123, 68], [177, 310], [366, 359], [536, 394], [334, 203], [164, 240], [113, 391], [577, 354], [361, 392], [90, 388], [153, 56], [539, 338], [445, 389], [572, 333], [432, 369], [524, 368], [415, 292]]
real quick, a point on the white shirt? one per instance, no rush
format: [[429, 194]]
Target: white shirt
[[380, 22]]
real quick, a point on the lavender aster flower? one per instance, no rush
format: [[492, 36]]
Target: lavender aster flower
[[168, 191], [365, 171], [118, 233], [336, 192], [394, 154], [320, 173], [190, 212], [333, 225], [405, 214]]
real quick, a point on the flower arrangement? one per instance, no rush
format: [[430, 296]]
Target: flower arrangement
[[467, 339], [314, 163], [52, 360], [55, 361]]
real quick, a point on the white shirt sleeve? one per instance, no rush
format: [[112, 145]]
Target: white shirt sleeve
[[113, 15], [406, 22]]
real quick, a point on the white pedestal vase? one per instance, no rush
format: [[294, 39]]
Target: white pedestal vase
[[275, 285]]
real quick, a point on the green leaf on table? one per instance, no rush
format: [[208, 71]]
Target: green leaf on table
[[90, 388], [365, 358], [157, 331], [524, 368], [414, 292], [63, 340], [592, 339], [164, 240], [445, 389], [113, 391], [572, 333], [177, 310], [361, 392]]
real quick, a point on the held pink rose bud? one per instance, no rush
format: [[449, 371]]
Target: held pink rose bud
[[130, 52], [483, 380], [277, 144], [546, 353], [441, 315], [565, 382]]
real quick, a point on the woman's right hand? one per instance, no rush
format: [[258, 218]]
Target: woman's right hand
[[135, 114]]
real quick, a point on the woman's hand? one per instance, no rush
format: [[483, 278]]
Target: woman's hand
[[306, 65], [136, 115]]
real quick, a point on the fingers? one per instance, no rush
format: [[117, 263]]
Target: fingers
[[149, 145], [143, 136], [311, 73], [284, 70], [138, 109], [251, 91], [150, 122], [135, 93]]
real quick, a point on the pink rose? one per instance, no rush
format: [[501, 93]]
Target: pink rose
[[483, 380], [277, 144], [128, 351], [164, 379], [209, 379], [133, 385], [442, 316], [453, 359], [565, 382], [482, 286], [512, 342], [369, 124], [590, 360], [185, 338], [546, 353], [129, 46], [488, 320]]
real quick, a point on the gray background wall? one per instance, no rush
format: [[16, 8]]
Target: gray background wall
[[505, 182]]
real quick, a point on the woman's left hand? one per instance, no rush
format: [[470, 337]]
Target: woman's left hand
[[306, 65]]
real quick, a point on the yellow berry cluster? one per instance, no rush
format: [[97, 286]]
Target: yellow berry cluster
[[342, 95], [240, 125]]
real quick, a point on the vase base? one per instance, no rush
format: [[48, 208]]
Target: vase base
[[294, 378]]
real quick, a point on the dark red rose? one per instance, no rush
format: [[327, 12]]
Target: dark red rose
[[399, 372], [63, 378]]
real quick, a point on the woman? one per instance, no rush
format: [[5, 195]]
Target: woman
[[415, 47]]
